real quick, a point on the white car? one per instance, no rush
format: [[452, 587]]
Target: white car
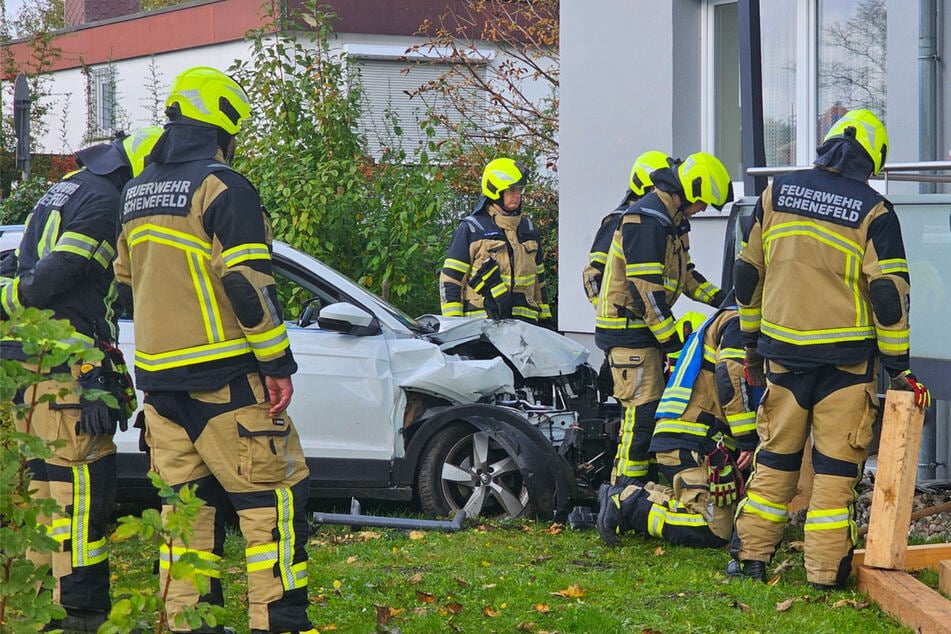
[[498, 418]]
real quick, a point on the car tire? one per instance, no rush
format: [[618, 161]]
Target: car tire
[[485, 470]]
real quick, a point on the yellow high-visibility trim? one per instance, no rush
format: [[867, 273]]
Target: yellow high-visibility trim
[[669, 426], [827, 519], [269, 343], [245, 252], [188, 356], [760, 506], [170, 237], [827, 335], [452, 309], [893, 266], [641, 269], [456, 265], [597, 257], [201, 282]]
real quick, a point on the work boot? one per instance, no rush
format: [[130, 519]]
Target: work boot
[[748, 569], [77, 621], [823, 587], [609, 513]]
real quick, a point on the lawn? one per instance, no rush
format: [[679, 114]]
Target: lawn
[[524, 576]]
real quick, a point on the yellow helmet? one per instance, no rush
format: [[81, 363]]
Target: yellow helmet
[[500, 174], [138, 145], [863, 126], [648, 162], [689, 322], [705, 179], [208, 95]]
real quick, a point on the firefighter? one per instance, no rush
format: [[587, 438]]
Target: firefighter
[[704, 439], [495, 267], [64, 264], [823, 289], [212, 353], [647, 269], [639, 184]]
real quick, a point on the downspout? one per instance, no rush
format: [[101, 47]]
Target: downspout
[[928, 458]]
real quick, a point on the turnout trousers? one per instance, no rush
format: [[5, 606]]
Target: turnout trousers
[[638, 375], [837, 405], [239, 456], [682, 514], [80, 477]]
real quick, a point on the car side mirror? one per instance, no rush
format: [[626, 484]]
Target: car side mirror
[[309, 314], [348, 319]]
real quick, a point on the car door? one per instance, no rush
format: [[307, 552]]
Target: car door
[[345, 400]]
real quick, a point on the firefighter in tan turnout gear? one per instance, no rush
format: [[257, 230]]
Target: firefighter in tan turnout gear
[[495, 267], [704, 439], [212, 354], [648, 267], [64, 264], [823, 289]]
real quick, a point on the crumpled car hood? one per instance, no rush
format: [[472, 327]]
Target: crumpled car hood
[[533, 350]]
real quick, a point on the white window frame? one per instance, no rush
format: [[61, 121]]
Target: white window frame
[[97, 81], [806, 115]]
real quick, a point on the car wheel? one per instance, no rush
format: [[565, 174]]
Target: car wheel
[[480, 471]]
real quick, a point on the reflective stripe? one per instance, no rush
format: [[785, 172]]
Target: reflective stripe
[[597, 257], [104, 255], [827, 519], [893, 341], [676, 517], [706, 292], [10, 295], [45, 244], [619, 322], [674, 401], [269, 343], [77, 244], [665, 329], [498, 290], [680, 427], [290, 572], [750, 319], [892, 266], [655, 521], [709, 354], [812, 230], [166, 559], [762, 507], [210, 314], [245, 252], [261, 557], [452, 309], [544, 310], [640, 269], [731, 353], [188, 356], [169, 237], [828, 335], [525, 280], [79, 533], [476, 313], [456, 265], [741, 423], [523, 311], [96, 552], [60, 529]]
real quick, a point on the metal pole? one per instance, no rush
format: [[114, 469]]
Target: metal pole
[[927, 85], [753, 148], [21, 124]]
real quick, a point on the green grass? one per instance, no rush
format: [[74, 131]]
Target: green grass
[[524, 576]]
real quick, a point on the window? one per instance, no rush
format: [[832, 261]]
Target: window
[[388, 79], [726, 69], [850, 59], [101, 102], [780, 74]]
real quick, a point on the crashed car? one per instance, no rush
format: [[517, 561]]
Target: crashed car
[[496, 418]]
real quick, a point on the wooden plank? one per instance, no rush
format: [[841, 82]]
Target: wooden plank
[[804, 488], [944, 576], [894, 489], [917, 557], [910, 602]]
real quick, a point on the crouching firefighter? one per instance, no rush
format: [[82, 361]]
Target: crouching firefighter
[[703, 440], [64, 264], [212, 354]]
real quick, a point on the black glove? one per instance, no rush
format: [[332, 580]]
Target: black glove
[[487, 282], [906, 381], [95, 418], [754, 368]]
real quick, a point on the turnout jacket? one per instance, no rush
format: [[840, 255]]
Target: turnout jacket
[[194, 252], [713, 402], [648, 267], [64, 261], [514, 243], [822, 276]]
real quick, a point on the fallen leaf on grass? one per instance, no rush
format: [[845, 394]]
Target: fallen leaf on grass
[[541, 607], [328, 628], [462, 582], [425, 597], [773, 580], [573, 592], [658, 551], [525, 626], [385, 613], [740, 606], [368, 535], [488, 611], [858, 605], [798, 546], [554, 529], [415, 579], [417, 534], [540, 559], [352, 559], [453, 607], [782, 606], [488, 586]]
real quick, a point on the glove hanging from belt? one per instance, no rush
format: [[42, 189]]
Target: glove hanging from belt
[[723, 477], [95, 418]]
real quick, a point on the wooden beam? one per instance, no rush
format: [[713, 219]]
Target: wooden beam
[[894, 489], [944, 577], [910, 602], [917, 557]]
